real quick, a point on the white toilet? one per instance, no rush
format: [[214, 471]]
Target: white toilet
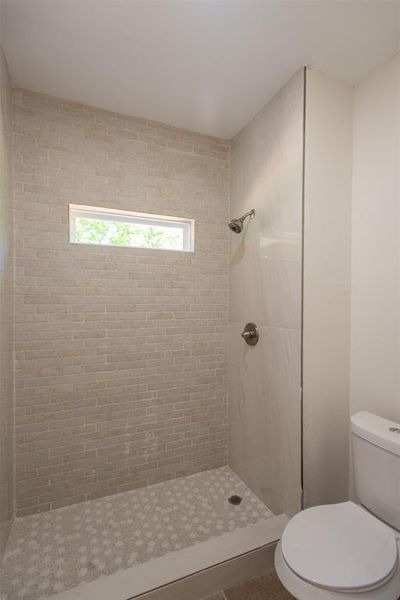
[[348, 551]]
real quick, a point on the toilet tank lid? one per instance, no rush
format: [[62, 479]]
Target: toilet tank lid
[[378, 431]]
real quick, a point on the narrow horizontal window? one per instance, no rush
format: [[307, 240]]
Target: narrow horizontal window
[[109, 227]]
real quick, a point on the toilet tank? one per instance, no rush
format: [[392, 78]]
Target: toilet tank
[[376, 462]]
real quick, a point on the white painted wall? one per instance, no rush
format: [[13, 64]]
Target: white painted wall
[[326, 312], [350, 364], [375, 297]]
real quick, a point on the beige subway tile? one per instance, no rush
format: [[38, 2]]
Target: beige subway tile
[[120, 352]]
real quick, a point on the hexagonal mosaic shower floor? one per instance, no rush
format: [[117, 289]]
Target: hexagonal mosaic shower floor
[[58, 550]]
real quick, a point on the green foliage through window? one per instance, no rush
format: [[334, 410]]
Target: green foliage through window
[[119, 233]]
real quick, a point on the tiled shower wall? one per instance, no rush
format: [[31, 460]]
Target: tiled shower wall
[[6, 312], [120, 353], [265, 287]]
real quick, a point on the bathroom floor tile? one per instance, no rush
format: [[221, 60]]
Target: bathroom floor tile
[[267, 587], [54, 551]]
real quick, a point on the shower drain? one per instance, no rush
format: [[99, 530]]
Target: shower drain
[[235, 499]]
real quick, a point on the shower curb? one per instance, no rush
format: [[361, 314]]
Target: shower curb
[[192, 572]]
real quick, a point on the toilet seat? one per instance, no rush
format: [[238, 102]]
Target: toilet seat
[[340, 547], [302, 590]]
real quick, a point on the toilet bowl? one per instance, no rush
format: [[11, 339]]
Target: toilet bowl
[[339, 551], [348, 551]]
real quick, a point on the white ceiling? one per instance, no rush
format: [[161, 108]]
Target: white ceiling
[[205, 65]]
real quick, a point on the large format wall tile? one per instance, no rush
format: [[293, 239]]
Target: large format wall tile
[[265, 287]]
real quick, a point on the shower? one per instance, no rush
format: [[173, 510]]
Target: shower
[[236, 225]]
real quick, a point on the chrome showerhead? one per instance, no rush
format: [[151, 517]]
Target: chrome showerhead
[[236, 225]]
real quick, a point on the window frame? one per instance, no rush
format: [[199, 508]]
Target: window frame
[[127, 216]]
